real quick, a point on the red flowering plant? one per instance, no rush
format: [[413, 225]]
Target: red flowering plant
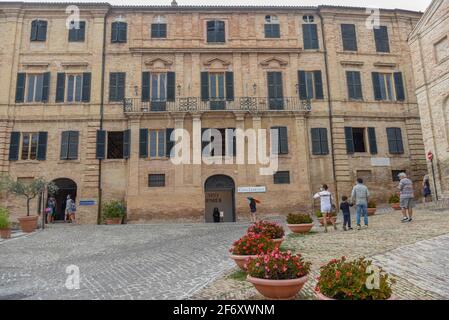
[[354, 280], [271, 229], [278, 265], [252, 244]]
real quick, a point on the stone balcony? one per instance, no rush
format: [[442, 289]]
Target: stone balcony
[[195, 104]]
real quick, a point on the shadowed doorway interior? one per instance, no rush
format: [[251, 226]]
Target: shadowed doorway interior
[[65, 187], [219, 193]]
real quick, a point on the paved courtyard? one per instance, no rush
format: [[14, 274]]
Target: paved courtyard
[[167, 261]]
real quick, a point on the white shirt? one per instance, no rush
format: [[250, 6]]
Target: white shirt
[[326, 200]]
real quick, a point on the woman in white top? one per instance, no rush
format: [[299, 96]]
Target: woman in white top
[[326, 205]]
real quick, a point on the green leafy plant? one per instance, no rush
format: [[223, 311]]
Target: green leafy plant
[[4, 218], [28, 189], [353, 280], [252, 244], [113, 209], [271, 229], [278, 265], [394, 199], [299, 218], [372, 204]]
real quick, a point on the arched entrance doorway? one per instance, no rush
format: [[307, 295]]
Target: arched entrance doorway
[[219, 193], [65, 187]]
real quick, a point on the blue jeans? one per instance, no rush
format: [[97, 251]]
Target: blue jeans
[[362, 209]]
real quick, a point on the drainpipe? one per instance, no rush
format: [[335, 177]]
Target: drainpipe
[[329, 101], [103, 67]]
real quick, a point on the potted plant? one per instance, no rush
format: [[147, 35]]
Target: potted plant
[[371, 208], [394, 202], [28, 190], [248, 247], [272, 230], [299, 222], [352, 280], [113, 212], [331, 217], [5, 225], [277, 274]]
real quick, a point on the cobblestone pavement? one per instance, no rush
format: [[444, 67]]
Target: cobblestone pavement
[[165, 261], [415, 253]]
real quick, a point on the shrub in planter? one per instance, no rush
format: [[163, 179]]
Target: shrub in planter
[[277, 274], [299, 222], [371, 208], [249, 246], [330, 217], [347, 280], [271, 230], [394, 202], [113, 212], [5, 225]]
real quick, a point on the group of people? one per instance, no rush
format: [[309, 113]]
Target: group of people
[[70, 209], [359, 197]]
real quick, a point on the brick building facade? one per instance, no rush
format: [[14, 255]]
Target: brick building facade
[[92, 108]]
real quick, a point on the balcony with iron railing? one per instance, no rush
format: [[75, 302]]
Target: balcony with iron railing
[[196, 104]]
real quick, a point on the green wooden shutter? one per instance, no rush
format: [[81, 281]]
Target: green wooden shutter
[[42, 31], [372, 140], [101, 144], [60, 87], [376, 86], [121, 86], [73, 143], [399, 84], [204, 86], [14, 146], [349, 38], [20, 87], [86, 86], [42, 146], [302, 85], [126, 143], [283, 140], [318, 85], [324, 143], [64, 154], [229, 86], [45, 86], [33, 35], [145, 86], [169, 144], [113, 86], [171, 86], [316, 141], [349, 140], [143, 143], [114, 32]]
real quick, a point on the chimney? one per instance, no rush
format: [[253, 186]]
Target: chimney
[[174, 3]]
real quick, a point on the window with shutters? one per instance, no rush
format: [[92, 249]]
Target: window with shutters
[[395, 144], [215, 31], [115, 145], [310, 36], [69, 145], [388, 86], [156, 180], [281, 147], [355, 139], [272, 27], [74, 87], [156, 142], [381, 39], [158, 86], [275, 90], [354, 83], [29, 145], [310, 85], [77, 32], [319, 141], [119, 32], [281, 177], [224, 146], [35, 88], [349, 37], [117, 86], [38, 30]]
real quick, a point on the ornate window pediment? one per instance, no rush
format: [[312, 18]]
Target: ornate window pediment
[[159, 63], [217, 63], [274, 62]]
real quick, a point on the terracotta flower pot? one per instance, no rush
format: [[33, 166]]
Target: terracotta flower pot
[[330, 220], [321, 296], [371, 211], [5, 233], [28, 224], [396, 206], [113, 221], [278, 289], [278, 242], [300, 228], [242, 260]]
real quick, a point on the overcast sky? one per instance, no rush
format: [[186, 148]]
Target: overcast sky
[[418, 5]]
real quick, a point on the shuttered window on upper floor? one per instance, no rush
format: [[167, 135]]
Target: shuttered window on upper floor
[[158, 30], [113, 144], [381, 39], [77, 31], [349, 37], [281, 145], [272, 27], [320, 144], [354, 84], [28, 146], [119, 32], [38, 30], [69, 145], [73, 87], [216, 31], [32, 87], [117, 86], [310, 36], [310, 85], [395, 143], [388, 86]]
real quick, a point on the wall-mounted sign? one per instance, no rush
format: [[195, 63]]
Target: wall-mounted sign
[[380, 162], [259, 189], [88, 202]]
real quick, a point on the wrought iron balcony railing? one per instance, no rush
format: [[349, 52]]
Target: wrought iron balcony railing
[[196, 104]]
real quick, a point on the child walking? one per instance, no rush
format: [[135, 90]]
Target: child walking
[[344, 207], [326, 205]]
